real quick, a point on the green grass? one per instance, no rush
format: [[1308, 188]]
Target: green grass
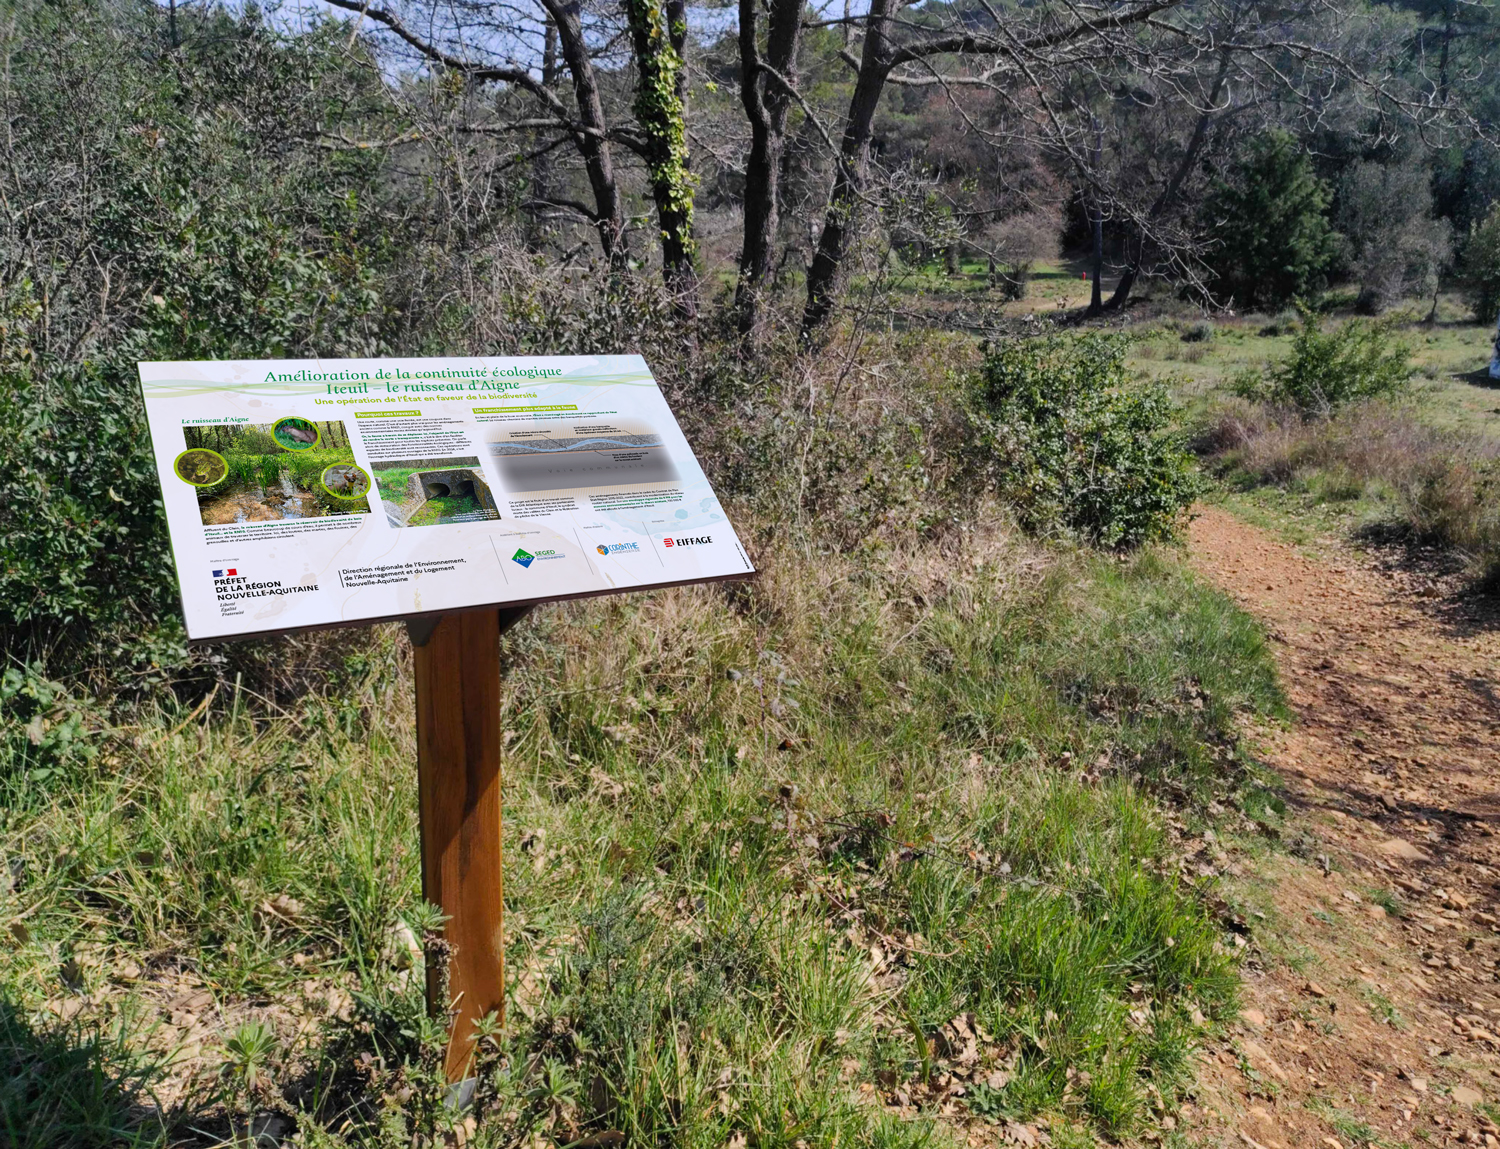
[[1451, 390], [1350, 1129], [439, 509], [1419, 466], [392, 482], [1451, 356], [306, 467], [444, 508], [1383, 1007], [931, 791]]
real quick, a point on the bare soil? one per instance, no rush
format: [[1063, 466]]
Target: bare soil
[[1372, 1003]]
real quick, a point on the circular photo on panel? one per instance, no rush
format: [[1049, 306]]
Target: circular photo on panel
[[200, 466], [345, 481], [295, 434]]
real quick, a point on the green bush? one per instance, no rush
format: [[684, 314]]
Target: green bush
[[1270, 221], [1481, 267], [1327, 369], [1075, 446], [44, 730], [223, 237], [1200, 332], [83, 552]]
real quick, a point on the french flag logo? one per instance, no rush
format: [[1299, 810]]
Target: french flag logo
[[225, 573]]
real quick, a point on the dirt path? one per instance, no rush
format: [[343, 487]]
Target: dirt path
[[1363, 1026]]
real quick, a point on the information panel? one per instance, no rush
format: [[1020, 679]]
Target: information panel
[[307, 493]]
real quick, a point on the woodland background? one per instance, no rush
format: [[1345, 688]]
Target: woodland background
[[963, 305]]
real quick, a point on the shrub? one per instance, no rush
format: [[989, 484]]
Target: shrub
[[1398, 248], [1326, 370], [1016, 243], [82, 549], [1269, 217], [1284, 322], [1200, 332], [1013, 283], [1481, 267], [44, 729], [1074, 446], [167, 225]]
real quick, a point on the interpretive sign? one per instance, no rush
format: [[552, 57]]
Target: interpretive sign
[[453, 493], [311, 493]]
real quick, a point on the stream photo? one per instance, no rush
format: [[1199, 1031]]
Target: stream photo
[[262, 472]]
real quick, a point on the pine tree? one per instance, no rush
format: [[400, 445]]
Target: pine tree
[[1269, 220]]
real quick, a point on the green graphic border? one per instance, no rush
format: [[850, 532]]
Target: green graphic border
[[313, 446], [211, 451], [369, 482]]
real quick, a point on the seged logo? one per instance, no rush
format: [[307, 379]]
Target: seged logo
[[526, 558]]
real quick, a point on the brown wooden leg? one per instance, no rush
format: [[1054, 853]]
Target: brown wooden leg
[[458, 778]]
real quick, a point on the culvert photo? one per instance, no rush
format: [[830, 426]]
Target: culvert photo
[[429, 492]]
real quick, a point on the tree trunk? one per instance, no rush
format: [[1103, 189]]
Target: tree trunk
[[853, 165], [542, 182], [766, 101], [609, 219], [657, 33], [1174, 184], [1096, 224]]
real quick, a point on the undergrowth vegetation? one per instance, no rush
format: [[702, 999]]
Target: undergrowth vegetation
[[870, 844], [1326, 370], [878, 847], [1337, 421], [1436, 487]]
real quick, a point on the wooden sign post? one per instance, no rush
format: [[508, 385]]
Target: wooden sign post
[[459, 786], [452, 493]]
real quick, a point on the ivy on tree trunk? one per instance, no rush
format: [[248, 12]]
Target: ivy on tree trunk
[[657, 32]]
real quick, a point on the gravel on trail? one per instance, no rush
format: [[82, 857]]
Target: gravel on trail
[[1362, 1025]]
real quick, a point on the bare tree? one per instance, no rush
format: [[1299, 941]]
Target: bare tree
[[766, 91], [1171, 187], [488, 41], [1073, 79], [891, 45]]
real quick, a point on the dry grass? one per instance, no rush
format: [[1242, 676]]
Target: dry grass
[[1442, 487], [772, 845]]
